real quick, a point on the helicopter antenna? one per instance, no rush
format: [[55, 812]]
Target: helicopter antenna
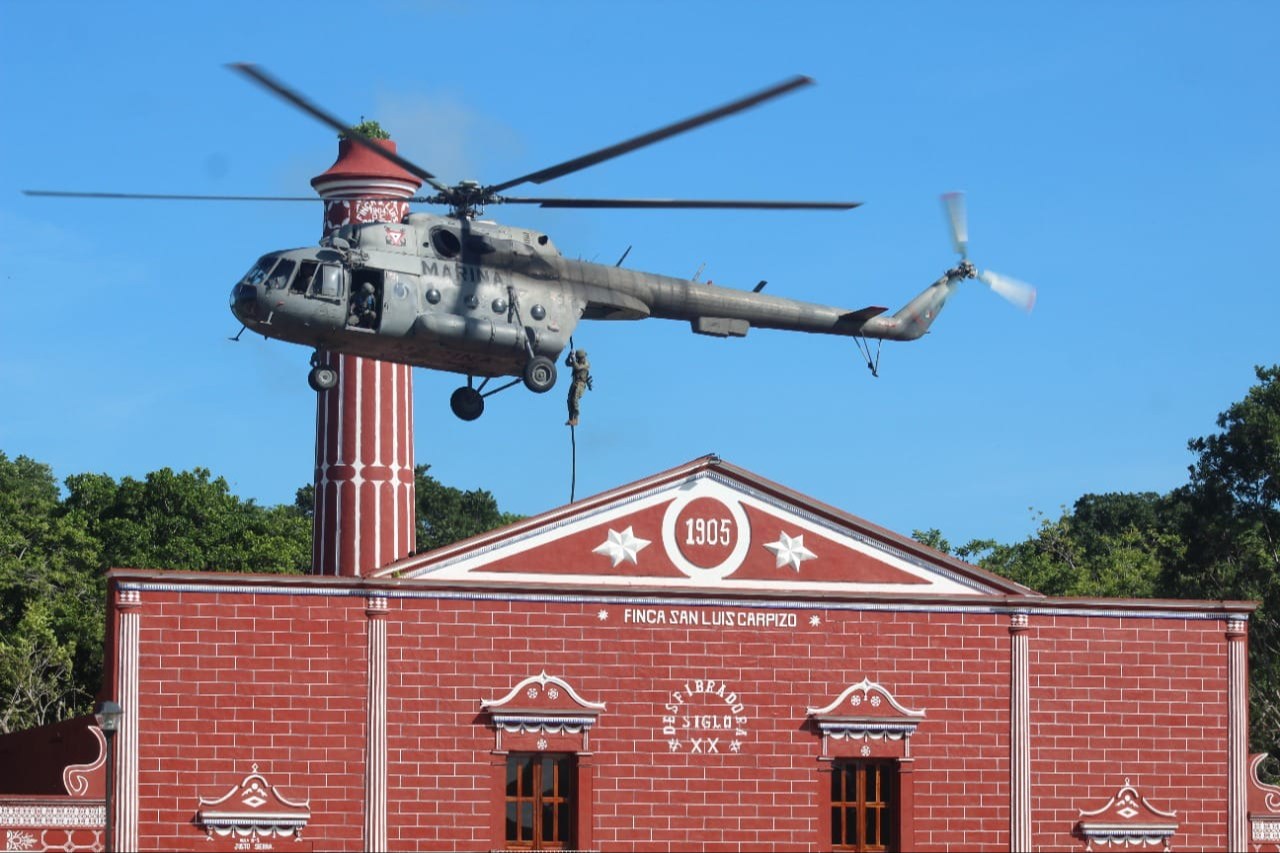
[[624, 257]]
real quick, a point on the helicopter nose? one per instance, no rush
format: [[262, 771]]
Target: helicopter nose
[[244, 302]]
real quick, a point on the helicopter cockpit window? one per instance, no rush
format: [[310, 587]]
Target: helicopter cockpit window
[[259, 271], [279, 278], [446, 243], [306, 272], [328, 283]]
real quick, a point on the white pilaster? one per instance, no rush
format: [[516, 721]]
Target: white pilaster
[[375, 803], [1237, 732], [1019, 736], [125, 827]]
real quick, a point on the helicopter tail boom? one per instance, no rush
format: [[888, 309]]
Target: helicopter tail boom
[[914, 319]]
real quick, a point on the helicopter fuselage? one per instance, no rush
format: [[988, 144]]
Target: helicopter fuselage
[[482, 299]]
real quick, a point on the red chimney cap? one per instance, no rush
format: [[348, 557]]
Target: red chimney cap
[[359, 171]]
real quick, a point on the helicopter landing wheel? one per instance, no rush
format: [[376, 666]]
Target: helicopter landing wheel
[[322, 378], [539, 374], [467, 403]]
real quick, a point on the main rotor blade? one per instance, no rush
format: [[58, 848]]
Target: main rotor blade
[[658, 135], [190, 197], [261, 77], [168, 197], [682, 203]]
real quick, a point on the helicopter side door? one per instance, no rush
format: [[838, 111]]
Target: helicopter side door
[[326, 292], [399, 303]]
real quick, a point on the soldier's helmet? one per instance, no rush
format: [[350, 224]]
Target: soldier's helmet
[[580, 355], [368, 288]]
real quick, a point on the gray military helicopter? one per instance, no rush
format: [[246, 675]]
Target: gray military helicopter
[[459, 293]]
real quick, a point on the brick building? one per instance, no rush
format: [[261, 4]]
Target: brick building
[[701, 660]]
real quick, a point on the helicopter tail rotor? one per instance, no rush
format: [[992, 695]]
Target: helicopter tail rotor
[[1017, 293], [953, 204]]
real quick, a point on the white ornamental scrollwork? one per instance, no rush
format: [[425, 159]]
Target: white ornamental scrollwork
[[254, 808], [1127, 819], [17, 839], [75, 777]]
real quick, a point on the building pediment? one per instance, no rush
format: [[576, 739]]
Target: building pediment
[[706, 526]]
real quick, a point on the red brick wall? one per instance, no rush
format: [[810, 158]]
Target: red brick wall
[[232, 679], [1143, 699]]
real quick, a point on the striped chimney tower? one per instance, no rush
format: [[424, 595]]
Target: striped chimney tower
[[364, 510]]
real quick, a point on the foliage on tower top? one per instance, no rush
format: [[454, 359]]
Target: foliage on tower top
[[371, 129]]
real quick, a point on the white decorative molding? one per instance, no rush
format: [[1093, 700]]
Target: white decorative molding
[[867, 711], [519, 723], [535, 683], [545, 704], [869, 732], [253, 808], [274, 585], [54, 815], [1127, 820], [873, 695]]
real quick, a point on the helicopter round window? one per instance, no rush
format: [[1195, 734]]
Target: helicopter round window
[[400, 290], [473, 302], [445, 242], [538, 312], [499, 305], [433, 296]]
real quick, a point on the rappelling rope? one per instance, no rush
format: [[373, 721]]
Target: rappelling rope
[[573, 478]]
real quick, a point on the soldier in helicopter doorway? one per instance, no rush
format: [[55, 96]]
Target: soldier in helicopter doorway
[[581, 382]]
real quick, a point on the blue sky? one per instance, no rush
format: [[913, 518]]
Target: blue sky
[[1120, 156]]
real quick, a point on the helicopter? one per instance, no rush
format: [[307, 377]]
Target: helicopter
[[459, 293]]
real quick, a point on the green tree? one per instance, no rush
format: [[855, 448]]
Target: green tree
[[54, 554], [447, 515], [51, 594], [1229, 518], [933, 538], [37, 684], [188, 520], [1107, 546]]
